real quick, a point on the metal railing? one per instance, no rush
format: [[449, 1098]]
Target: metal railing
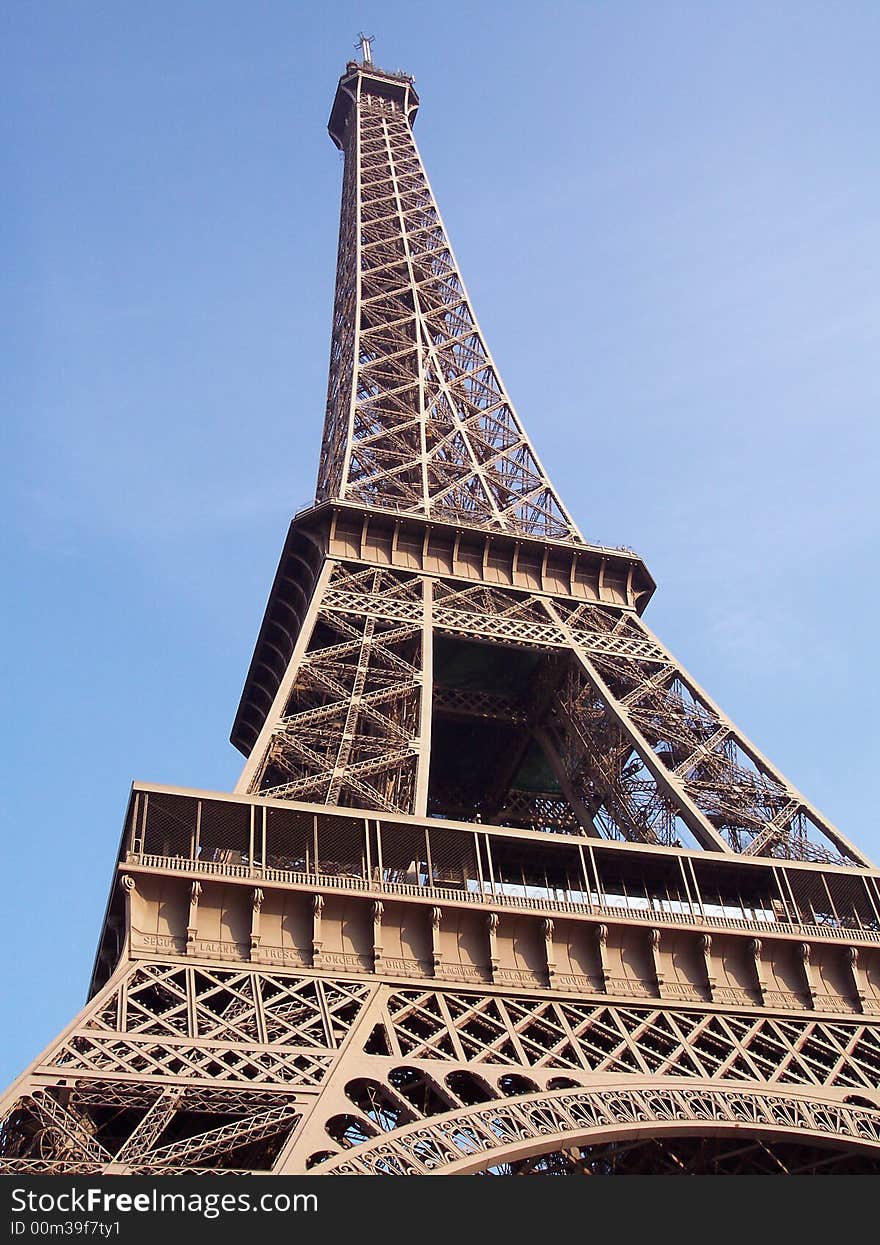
[[464, 896], [465, 517]]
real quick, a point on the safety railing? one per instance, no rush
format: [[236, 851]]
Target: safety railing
[[465, 896]]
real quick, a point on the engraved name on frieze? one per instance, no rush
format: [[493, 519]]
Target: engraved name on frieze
[[407, 968], [164, 942], [234, 949], [341, 959], [575, 981], [519, 975], [280, 956]]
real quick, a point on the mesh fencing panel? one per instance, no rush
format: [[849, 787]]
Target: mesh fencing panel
[[225, 832], [851, 901], [453, 857], [342, 846], [170, 825], [404, 853], [814, 906], [290, 840]]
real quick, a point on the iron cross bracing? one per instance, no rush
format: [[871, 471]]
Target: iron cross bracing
[[418, 419], [500, 889]]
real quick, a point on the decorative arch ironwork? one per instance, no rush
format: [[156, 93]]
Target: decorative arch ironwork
[[490, 1134]]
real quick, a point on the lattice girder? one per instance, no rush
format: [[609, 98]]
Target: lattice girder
[[417, 415], [468, 1065], [638, 750], [425, 1078], [138, 1081]]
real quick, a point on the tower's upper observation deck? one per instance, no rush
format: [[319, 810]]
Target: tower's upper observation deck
[[364, 77]]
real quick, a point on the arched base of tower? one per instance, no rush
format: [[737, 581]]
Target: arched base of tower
[[632, 1129], [693, 1156]]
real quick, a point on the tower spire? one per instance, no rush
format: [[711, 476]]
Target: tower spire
[[365, 43], [418, 419]]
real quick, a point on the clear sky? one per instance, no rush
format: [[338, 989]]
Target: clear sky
[[668, 216]]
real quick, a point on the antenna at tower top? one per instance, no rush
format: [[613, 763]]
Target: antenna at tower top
[[365, 43]]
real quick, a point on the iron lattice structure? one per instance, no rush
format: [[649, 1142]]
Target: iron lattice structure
[[418, 419], [501, 890]]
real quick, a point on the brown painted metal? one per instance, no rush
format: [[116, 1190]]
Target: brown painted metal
[[500, 888]]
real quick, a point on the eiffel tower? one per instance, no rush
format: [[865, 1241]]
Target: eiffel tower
[[500, 889]]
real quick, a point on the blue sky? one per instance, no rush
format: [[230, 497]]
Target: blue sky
[[668, 216]]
